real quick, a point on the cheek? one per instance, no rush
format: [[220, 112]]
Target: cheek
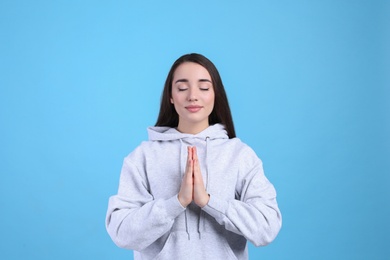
[[211, 99], [174, 98]]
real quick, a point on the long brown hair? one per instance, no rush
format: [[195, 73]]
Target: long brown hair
[[221, 111]]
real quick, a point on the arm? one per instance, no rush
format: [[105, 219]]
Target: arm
[[255, 213], [134, 219]]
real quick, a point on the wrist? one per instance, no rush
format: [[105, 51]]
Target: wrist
[[182, 202], [206, 201]]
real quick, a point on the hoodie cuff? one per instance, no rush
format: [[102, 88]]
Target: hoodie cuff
[[216, 208], [174, 207]]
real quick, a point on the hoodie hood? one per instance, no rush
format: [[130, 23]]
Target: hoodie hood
[[164, 133]]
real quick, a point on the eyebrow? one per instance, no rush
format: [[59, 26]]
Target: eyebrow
[[186, 80]]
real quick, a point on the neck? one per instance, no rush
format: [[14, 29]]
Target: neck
[[192, 128]]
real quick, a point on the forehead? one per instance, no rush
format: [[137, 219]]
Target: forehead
[[191, 70]]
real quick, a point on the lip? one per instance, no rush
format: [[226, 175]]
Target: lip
[[193, 108]]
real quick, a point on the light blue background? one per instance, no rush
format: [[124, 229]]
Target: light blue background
[[308, 83]]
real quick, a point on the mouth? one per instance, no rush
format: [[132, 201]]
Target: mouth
[[193, 109]]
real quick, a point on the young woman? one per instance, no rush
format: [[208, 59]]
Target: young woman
[[194, 190]]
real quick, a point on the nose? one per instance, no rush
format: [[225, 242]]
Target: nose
[[192, 95]]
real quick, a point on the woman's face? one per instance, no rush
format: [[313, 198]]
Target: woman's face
[[192, 96]]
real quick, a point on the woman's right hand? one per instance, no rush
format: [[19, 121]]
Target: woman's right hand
[[186, 192]]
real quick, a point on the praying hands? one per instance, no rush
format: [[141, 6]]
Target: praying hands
[[192, 187]]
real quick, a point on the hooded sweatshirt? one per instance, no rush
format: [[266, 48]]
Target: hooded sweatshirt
[[147, 217]]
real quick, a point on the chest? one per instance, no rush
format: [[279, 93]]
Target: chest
[[165, 168]]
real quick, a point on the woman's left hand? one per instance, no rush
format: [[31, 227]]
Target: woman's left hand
[[201, 197]]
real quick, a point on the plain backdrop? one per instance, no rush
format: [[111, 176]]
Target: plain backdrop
[[308, 84]]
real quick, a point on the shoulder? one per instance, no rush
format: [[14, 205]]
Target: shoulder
[[140, 151], [150, 148], [239, 146], [243, 152]]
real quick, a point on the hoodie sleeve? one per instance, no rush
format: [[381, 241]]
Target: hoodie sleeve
[[254, 214], [134, 219]]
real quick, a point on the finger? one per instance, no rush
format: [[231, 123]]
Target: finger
[[201, 196], [189, 165], [186, 193], [190, 152], [194, 153], [188, 177], [197, 173]]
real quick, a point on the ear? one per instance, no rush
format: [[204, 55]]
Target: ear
[[171, 100]]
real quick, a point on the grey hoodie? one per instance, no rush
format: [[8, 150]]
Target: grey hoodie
[[147, 217]]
